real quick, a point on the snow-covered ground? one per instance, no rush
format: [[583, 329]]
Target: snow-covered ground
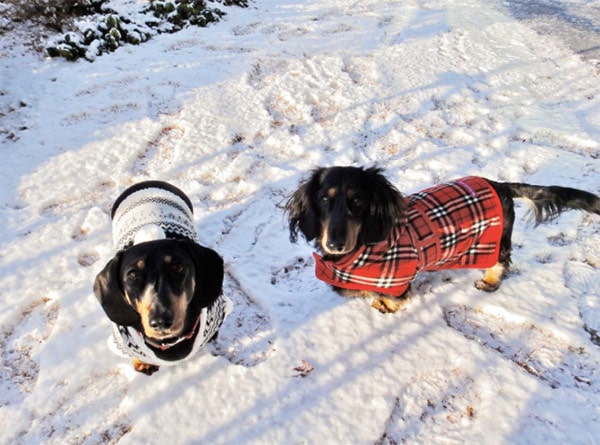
[[236, 115], [576, 22]]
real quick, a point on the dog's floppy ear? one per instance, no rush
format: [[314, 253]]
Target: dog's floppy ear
[[109, 292], [386, 208], [209, 272], [302, 210]]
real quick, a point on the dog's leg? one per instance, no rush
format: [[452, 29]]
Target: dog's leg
[[389, 305], [144, 368], [383, 303], [493, 276], [492, 279]]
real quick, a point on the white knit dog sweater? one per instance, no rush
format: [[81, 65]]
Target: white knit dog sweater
[[150, 211]]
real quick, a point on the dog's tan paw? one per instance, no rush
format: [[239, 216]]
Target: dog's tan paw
[[381, 302], [388, 305], [144, 368], [492, 279], [487, 287]]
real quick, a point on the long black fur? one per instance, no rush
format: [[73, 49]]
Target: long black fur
[[549, 202], [385, 203]]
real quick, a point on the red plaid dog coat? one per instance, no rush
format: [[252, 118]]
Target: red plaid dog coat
[[450, 226]]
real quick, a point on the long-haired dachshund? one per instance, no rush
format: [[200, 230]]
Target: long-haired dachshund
[[162, 290], [374, 241]]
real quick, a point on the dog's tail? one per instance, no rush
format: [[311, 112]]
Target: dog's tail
[[548, 202]]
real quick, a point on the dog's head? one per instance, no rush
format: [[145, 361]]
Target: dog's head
[[342, 207], [155, 285]]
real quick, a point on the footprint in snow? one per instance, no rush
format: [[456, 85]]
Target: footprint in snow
[[247, 336], [88, 258], [584, 281], [294, 268], [71, 415], [19, 347], [540, 352], [162, 96], [242, 230], [582, 277], [158, 153], [442, 398], [100, 193]]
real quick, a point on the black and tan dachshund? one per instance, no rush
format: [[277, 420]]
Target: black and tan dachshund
[[373, 241], [162, 289], [159, 289]]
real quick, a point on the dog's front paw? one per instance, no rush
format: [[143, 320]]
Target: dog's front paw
[[487, 287], [492, 279], [388, 305], [144, 368]]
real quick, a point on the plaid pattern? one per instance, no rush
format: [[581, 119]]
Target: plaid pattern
[[450, 226]]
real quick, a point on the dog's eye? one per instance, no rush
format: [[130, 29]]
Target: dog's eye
[[324, 199], [178, 268], [358, 202], [134, 275]]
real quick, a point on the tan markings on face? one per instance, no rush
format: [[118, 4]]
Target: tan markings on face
[[128, 298], [350, 193], [143, 307], [352, 232], [324, 239], [168, 259], [140, 264], [179, 304], [332, 192]]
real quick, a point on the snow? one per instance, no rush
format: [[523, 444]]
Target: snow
[[236, 115]]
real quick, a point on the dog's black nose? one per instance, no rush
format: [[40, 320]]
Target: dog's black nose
[[334, 246], [162, 320]]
